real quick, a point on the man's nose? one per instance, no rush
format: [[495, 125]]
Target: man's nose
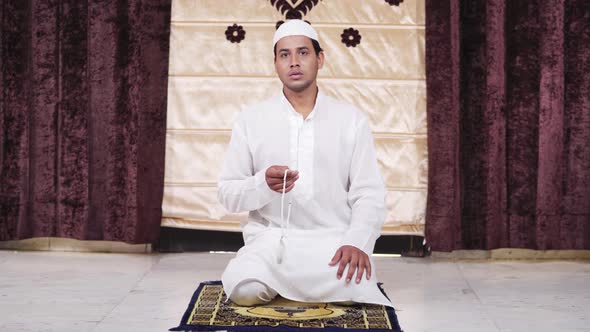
[[294, 61]]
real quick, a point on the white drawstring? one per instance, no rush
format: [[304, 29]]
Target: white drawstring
[[284, 225]]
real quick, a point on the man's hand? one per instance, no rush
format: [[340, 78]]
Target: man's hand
[[274, 178], [358, 260]]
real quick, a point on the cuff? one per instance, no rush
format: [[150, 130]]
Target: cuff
[[265, 194], [362, 239]]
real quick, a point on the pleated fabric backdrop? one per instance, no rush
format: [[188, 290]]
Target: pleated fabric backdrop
[[211, 78]]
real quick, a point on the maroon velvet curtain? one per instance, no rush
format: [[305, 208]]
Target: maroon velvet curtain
[[82, 118], [509, 124]]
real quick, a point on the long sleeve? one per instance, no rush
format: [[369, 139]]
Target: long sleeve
[[239, 189], [366, 193]]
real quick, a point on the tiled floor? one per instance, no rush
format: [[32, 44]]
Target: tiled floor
[[56, 291]]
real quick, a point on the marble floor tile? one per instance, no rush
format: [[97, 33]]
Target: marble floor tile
[[432, 296], [162, 295], [541, 296], [4, 254], [68, 291], [53, 291]]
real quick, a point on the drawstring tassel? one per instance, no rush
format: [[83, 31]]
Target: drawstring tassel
[[283, 245]]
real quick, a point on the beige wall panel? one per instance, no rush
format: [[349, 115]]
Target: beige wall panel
[[202, 102], [390, 54], [420, 11], [207, 224], [405, 207], [231, 11], [370, 12], [410, 12], [201, 50], [214, 102], [211, 80], [392, 106], [195, 203], [403, 161], [198, 208], [234, 226], [195, 156]]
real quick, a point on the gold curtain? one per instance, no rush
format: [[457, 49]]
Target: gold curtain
[[211, 79]]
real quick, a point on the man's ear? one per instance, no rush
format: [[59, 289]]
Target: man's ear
[[321, 60]]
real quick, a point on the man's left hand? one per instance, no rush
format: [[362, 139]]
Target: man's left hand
[[356, 258]]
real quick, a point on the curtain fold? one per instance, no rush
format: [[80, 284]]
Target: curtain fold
[[509, 124], [83, 119]]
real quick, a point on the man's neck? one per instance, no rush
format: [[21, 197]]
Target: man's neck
[[303, 102]]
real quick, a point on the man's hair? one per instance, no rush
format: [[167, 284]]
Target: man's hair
[[316, 47]]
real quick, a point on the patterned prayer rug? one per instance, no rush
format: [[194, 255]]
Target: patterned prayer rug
[[209, 311]]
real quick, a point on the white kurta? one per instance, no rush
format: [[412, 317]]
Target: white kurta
[[338, 200]]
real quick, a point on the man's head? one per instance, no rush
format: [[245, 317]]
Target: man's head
[[298, 55]]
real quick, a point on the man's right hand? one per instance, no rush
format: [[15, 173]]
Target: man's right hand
[[274, 178]]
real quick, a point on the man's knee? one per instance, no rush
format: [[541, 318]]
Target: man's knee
[[251, 293]]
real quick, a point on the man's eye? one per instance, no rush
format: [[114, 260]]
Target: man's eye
[[303, 52], [284, 55]]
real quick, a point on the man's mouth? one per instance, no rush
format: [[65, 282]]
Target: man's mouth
[[296, 75]]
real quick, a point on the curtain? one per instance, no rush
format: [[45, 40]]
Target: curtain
[[82, 118], [509, 124], [221, 60]]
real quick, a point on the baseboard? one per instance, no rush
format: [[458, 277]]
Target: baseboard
[[192, 240], [72, 245], [513, 254]]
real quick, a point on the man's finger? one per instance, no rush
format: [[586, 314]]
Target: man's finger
[[368, 268], [289, 188], [276, 171], [336, 257], [279, 173], [279, 187], [361, 270], [274, 181], [343, 262], [278, 176], [352, 268], [291, 181], [279, 181]]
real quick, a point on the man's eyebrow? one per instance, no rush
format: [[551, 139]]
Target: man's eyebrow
[[298, 48]]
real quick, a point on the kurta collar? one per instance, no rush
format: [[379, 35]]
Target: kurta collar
[[292, 110]]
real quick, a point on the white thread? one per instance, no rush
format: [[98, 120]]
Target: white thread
[[284, 225]]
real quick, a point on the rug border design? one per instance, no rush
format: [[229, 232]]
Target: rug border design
[[185, 327]]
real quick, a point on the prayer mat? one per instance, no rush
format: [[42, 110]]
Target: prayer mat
[[209, 311]]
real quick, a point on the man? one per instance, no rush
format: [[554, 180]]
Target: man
[[316, 153]]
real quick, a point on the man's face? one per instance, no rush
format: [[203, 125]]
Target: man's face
[[296, 62]]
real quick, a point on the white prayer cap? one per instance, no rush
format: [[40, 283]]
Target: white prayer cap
[[295, 28]]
